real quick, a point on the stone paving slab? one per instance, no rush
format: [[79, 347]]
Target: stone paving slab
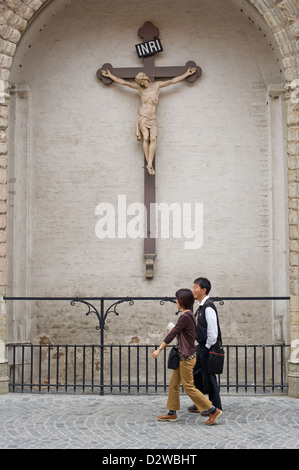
[[32, 421]]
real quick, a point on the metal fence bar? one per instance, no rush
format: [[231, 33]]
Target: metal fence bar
[[66, 367], [254, 369], [146, 369]]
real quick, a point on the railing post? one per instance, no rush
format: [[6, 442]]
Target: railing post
[[102, 324]]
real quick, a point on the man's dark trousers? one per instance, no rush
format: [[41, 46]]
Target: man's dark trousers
[[206, 383]]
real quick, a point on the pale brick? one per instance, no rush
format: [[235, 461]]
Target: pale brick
[[289, 62], [2, 249], [3, 137], [294, 204], [7, 47], [293, 176], [293, 232], [262, 5], [3, 123], [294, 246], [3, 161], [294, 259], [294, 286], [294, 305], [3, 207], [294, 218], [3, 149], [284, 43], [3, 175], [2, 236], [275, 19], [3, 192], [290, 74], [2, 263], [294, 272], [2, 278], [34, 4], [293, 149], [293, 163], [5, 61], [14, 20], [10, 34], [294, 190], [289, 11], [2, 221], [292, 113], [3, 111]]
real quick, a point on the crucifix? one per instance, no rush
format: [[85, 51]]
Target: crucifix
[[146, 123]]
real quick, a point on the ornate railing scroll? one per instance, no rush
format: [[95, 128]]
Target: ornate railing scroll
[[91, 309], [102, 316], [112, 309], [169, 299], [218, 299]]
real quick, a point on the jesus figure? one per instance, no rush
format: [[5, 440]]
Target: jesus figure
[[146, 123]]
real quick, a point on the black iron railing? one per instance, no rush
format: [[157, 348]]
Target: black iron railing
[[106, 368], [131, 369]]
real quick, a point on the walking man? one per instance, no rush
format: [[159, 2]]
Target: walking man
[[208, 334]]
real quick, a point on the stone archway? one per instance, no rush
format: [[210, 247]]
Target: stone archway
[[282, 17]]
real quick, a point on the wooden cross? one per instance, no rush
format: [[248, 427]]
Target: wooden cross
[[148, 32]]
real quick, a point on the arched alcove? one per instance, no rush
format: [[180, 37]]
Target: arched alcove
[[62, 110]]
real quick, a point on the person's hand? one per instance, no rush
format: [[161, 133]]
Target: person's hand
[[106, 73], [191, 70], [156, 353]]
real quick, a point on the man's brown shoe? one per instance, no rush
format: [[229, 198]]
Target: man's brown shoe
[[167, 417], [212, 418]]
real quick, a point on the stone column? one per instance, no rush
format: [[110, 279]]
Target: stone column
[[4, 379], [4, 98], [293, 184], [14, 19]]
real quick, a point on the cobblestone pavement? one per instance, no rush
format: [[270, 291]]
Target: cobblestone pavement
[[30, 421]]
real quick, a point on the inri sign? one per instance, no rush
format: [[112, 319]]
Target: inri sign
[[149, 48]]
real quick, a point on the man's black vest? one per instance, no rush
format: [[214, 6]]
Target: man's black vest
[[202, 323]]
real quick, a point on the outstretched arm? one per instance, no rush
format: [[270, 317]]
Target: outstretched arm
[[108, 74], [190, 71]]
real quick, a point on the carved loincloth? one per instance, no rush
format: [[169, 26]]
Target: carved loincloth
[[144, 121]]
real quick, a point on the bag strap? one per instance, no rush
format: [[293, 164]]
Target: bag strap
[[192, 319]]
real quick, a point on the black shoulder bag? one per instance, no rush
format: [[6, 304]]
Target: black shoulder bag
[[173, 358], [216, 359]]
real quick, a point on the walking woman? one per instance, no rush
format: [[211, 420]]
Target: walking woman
[[185, 330]]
